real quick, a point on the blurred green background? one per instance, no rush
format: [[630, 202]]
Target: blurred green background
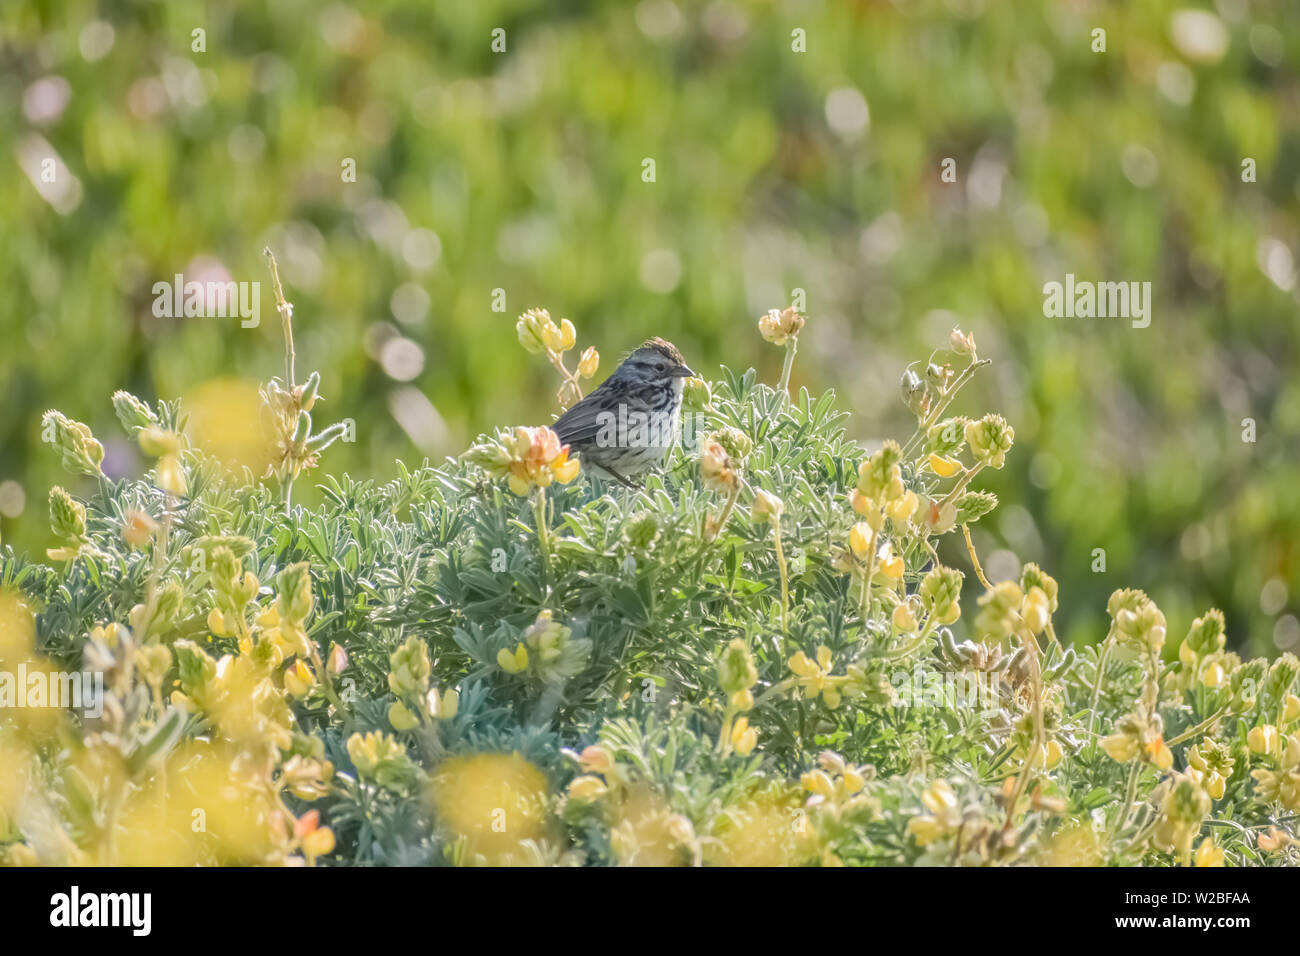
[[775, 170]]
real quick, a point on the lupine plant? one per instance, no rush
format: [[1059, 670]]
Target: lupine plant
[[758, 657]]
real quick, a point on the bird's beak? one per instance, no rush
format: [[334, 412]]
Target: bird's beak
[[683, 371]]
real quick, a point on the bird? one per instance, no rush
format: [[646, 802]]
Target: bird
[[626, 425]]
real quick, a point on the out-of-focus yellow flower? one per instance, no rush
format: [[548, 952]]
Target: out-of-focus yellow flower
[[1290, 708], [1273, 840], [718, 469], [1208, 854], [400, 716], [768, 829], [409, 668], [903, 509], [1161, 756], [943, 466], [513, 663], [861, 540], [443, 706], [904, 617], [217, 623], [944, 814], [492, 801], [890, 565], [1035, 611], [137, 528], [1262, 740], [596, 759], [320, 842], [1214, 675], [299, 679], [1121, 748], [818, 782], [589, 362], [742, 700], [767, 507], [587, 788], [744, 738]]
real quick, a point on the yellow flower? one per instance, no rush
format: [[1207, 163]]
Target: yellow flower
[[742, 700], [767, 507], [1160, 754], [1121, 748], [1035, 611], [744, 738], [587, 788], [903, 509], [1290, 708], [217, 623], [924, 830], [891, 565], [400, 716], [137, 528], [943, 466], [298, 679], [443, 706], [513, 663], [589, 362], [861, 539], [904, 617], [1214, 675], [527, 458], [818, 782], [170, 476], [1262, 740], [318, 842], [1207, 854]]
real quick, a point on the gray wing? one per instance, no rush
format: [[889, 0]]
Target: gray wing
[[580, 424]]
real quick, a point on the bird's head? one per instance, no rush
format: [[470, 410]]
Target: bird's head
[[656, 360]]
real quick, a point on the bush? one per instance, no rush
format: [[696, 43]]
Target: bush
[[756, 658]]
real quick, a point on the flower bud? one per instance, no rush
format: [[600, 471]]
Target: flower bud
[[736, 670], [132, 413], [990, 439], [81, 453], [596, 759], [589, 362], [767, 507]]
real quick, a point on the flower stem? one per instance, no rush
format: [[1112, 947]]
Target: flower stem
[[975, 558], [543, 531], [790, 349], [785, 587], [286, 318]]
